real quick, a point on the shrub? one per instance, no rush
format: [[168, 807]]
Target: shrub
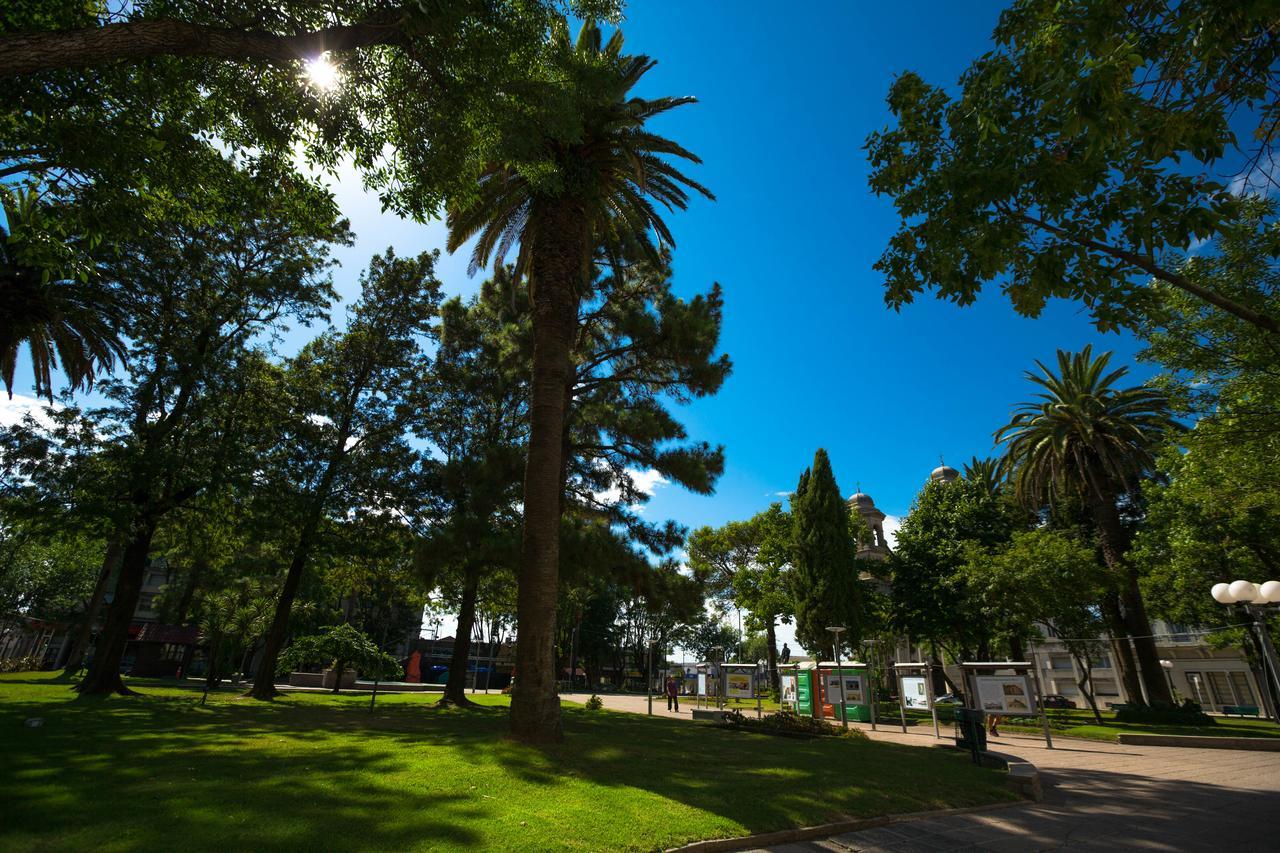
[[595, 703], [1165, 714], [787, 723], [27, 664]]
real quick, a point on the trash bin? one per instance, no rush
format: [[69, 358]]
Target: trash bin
[[971, 730]]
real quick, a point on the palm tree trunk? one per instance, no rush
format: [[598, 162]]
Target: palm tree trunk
[[1111, 539], [1121, 651], [559, 260], [104, 670]]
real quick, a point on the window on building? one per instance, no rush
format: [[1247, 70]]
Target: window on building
[[1220, 688], [146, 601], [1244, 692], [1102, 662], [171, 651], [1061, 663], [1105, 687], [1180, 633]]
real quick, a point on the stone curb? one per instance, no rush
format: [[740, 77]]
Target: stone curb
[[825, 830], [1257, 744]]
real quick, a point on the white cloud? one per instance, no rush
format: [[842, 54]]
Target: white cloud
[[13, 410], [891, 525], [645, 482], [1260, 181]]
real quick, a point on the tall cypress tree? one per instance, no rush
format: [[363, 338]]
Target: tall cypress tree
[[824, 576]]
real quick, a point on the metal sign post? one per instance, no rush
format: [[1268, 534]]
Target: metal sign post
[[1044, 716], [928, 692]]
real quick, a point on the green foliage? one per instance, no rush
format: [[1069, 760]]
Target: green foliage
[[935, 596], [1083, 436], [46, 575], [595, 703], [343, 647], [787, 723], [1080, 156], [824, 570], [1163, 713]]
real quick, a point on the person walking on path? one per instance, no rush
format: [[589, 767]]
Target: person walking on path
[[673, 695]]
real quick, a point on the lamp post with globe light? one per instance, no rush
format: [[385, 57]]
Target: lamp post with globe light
[[1253, 598]]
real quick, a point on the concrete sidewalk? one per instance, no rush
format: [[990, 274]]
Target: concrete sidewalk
[[1098, 796]]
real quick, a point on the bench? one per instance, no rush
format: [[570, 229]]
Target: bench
[[713, 715], [1240, 710]]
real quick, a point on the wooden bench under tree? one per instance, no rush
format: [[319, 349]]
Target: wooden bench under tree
[[1240, 710]]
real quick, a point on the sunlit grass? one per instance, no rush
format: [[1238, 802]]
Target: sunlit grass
[[316, 771]]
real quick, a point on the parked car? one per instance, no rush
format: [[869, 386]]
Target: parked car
[[1057, 700], [949, 699]]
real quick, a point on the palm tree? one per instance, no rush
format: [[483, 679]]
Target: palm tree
[[63, 320], [1084, 438], [588, 182], [989, 472]]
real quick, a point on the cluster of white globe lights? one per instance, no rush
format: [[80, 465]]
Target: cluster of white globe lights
[[1247, 592]]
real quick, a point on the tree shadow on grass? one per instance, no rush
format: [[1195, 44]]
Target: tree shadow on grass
[[320, 771]]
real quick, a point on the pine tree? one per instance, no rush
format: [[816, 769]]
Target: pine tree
[[824, 576]]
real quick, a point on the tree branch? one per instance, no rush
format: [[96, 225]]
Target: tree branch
[[28, 53], [1262, 321]]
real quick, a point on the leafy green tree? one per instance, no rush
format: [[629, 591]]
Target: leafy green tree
[[340, 647], [561, 194], [43, 576], [712, 638], [474, 414], [1087, 439], [230, 620], [189, 414], [745, 563], [933, 599], [1043, 578], [824, 568], [1075, 160], [344, 448]]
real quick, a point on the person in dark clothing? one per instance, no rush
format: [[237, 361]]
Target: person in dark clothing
[[673, 694], [786, 653]]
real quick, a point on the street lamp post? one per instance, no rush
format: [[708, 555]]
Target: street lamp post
[[835, 630], [1253, 598]]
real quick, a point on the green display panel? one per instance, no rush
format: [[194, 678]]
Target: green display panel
[[804, 692]]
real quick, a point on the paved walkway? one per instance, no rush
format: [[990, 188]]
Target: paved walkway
[[1098, 796]]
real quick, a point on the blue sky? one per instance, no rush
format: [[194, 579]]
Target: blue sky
[[819, 361]]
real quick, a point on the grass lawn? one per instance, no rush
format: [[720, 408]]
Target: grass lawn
[[1080, 723], [315, 771]]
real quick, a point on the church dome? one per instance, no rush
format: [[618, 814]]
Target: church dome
[[945, 473], [862, 499]]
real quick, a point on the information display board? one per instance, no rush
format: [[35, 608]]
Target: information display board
[[1004, 694], [702, 684], [914, 694], [788, 684], [852, 689], [738, 685]]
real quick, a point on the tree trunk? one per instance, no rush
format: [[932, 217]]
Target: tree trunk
[[1085, 685], [560, 258], [198, 568], [1111, 539], [771, 640], [104, 669], [455, 689], [84, 630], [264, 681], [1121, 652]]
